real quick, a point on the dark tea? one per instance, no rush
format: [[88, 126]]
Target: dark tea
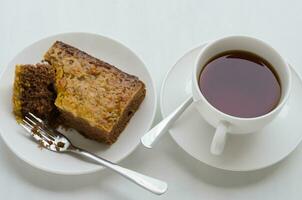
[[241, 84]]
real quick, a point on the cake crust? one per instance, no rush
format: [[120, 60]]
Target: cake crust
[[93, 96]]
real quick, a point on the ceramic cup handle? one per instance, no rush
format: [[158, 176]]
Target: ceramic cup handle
[[219, 139]]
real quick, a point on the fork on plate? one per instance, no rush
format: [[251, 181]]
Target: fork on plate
[[55, 141]]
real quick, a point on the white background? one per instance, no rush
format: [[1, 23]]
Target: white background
[[160, 32]]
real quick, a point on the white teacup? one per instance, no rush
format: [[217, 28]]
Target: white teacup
[[225, 123]]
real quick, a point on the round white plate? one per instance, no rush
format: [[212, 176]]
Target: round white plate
[[101, 47], [242, 153]]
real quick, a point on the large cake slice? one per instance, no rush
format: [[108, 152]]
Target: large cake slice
[[93, 96]]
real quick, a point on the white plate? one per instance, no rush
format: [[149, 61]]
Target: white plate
[[101, 47], [244, 152]]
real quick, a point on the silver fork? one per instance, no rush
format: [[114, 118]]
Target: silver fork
[[55, 141]]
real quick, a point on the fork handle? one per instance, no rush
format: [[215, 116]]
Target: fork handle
[[153, 185]]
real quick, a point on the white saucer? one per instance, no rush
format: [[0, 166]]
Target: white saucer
[[244, 152], [101, 47]]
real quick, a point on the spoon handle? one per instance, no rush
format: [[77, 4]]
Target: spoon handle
[[162, 127], [153, 185]]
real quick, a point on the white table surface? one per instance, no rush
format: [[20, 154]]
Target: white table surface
[[159, 32]]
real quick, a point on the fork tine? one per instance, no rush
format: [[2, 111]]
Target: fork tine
[[42, 131], [26, 127], [41, 123], [29, 125], [36, 118], [32, 120], [39, 138], [29, 120], [44, 135]]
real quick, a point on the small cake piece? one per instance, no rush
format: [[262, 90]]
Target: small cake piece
[[34, 91], [93, 96]]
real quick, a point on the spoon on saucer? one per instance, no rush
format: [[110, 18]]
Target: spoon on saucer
[[162, 127]]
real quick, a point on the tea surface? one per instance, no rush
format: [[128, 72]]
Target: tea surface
[[240, 84]]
